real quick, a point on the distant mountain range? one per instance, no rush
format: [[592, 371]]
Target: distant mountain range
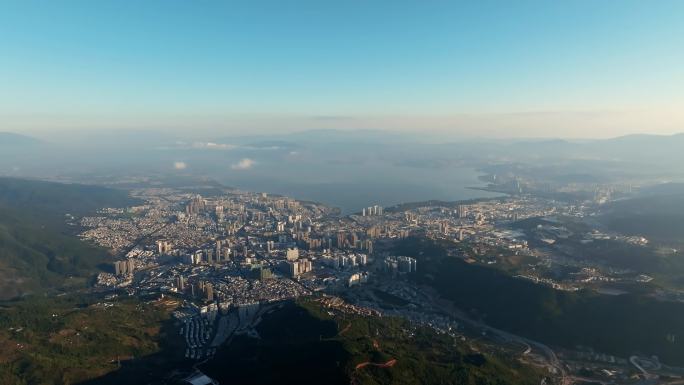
[[624, 146], [9, 139], [631, 147]]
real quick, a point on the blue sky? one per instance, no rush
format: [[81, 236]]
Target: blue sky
[[516, 68]]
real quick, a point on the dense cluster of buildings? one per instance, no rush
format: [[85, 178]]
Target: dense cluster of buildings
[[233, 257], [400, 264], [262, 237]]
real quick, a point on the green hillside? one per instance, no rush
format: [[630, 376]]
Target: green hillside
[[50, 199], [303, 343], [300, 343], [69, 339], [37, 248], [620, 325], [658, 217]]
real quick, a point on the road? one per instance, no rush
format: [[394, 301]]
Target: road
[[458, 314]]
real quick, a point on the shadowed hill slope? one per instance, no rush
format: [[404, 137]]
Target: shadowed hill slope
[[37, 248]]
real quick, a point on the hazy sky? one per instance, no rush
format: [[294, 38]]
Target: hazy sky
[[490, 68]]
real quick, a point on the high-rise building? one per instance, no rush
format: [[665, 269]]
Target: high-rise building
[[373, 232], [461, 235], [163, 247], [180, 283], [292, 254], [218, 250], [444, 227], [341, 240], [297, 268], [208, 292], [357, 278], [124, 267], [293, 268], [401, 264], [354, 239], [195, 206], [258, 271], [194, 259], [368, 246], [117, 268], [462, 211], [218, 210], [370, 211]]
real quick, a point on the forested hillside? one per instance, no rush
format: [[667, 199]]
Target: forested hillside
[[37, 248]]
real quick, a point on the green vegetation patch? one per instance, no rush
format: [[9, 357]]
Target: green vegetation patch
[[38, 250], [619, 325], [304, 343], [69, 339]]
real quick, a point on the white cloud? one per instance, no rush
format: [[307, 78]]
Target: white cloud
[[243, 164], [180, 165], [213, 146]]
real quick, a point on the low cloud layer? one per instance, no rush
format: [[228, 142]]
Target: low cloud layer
[[213, 146], [243, 164]]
